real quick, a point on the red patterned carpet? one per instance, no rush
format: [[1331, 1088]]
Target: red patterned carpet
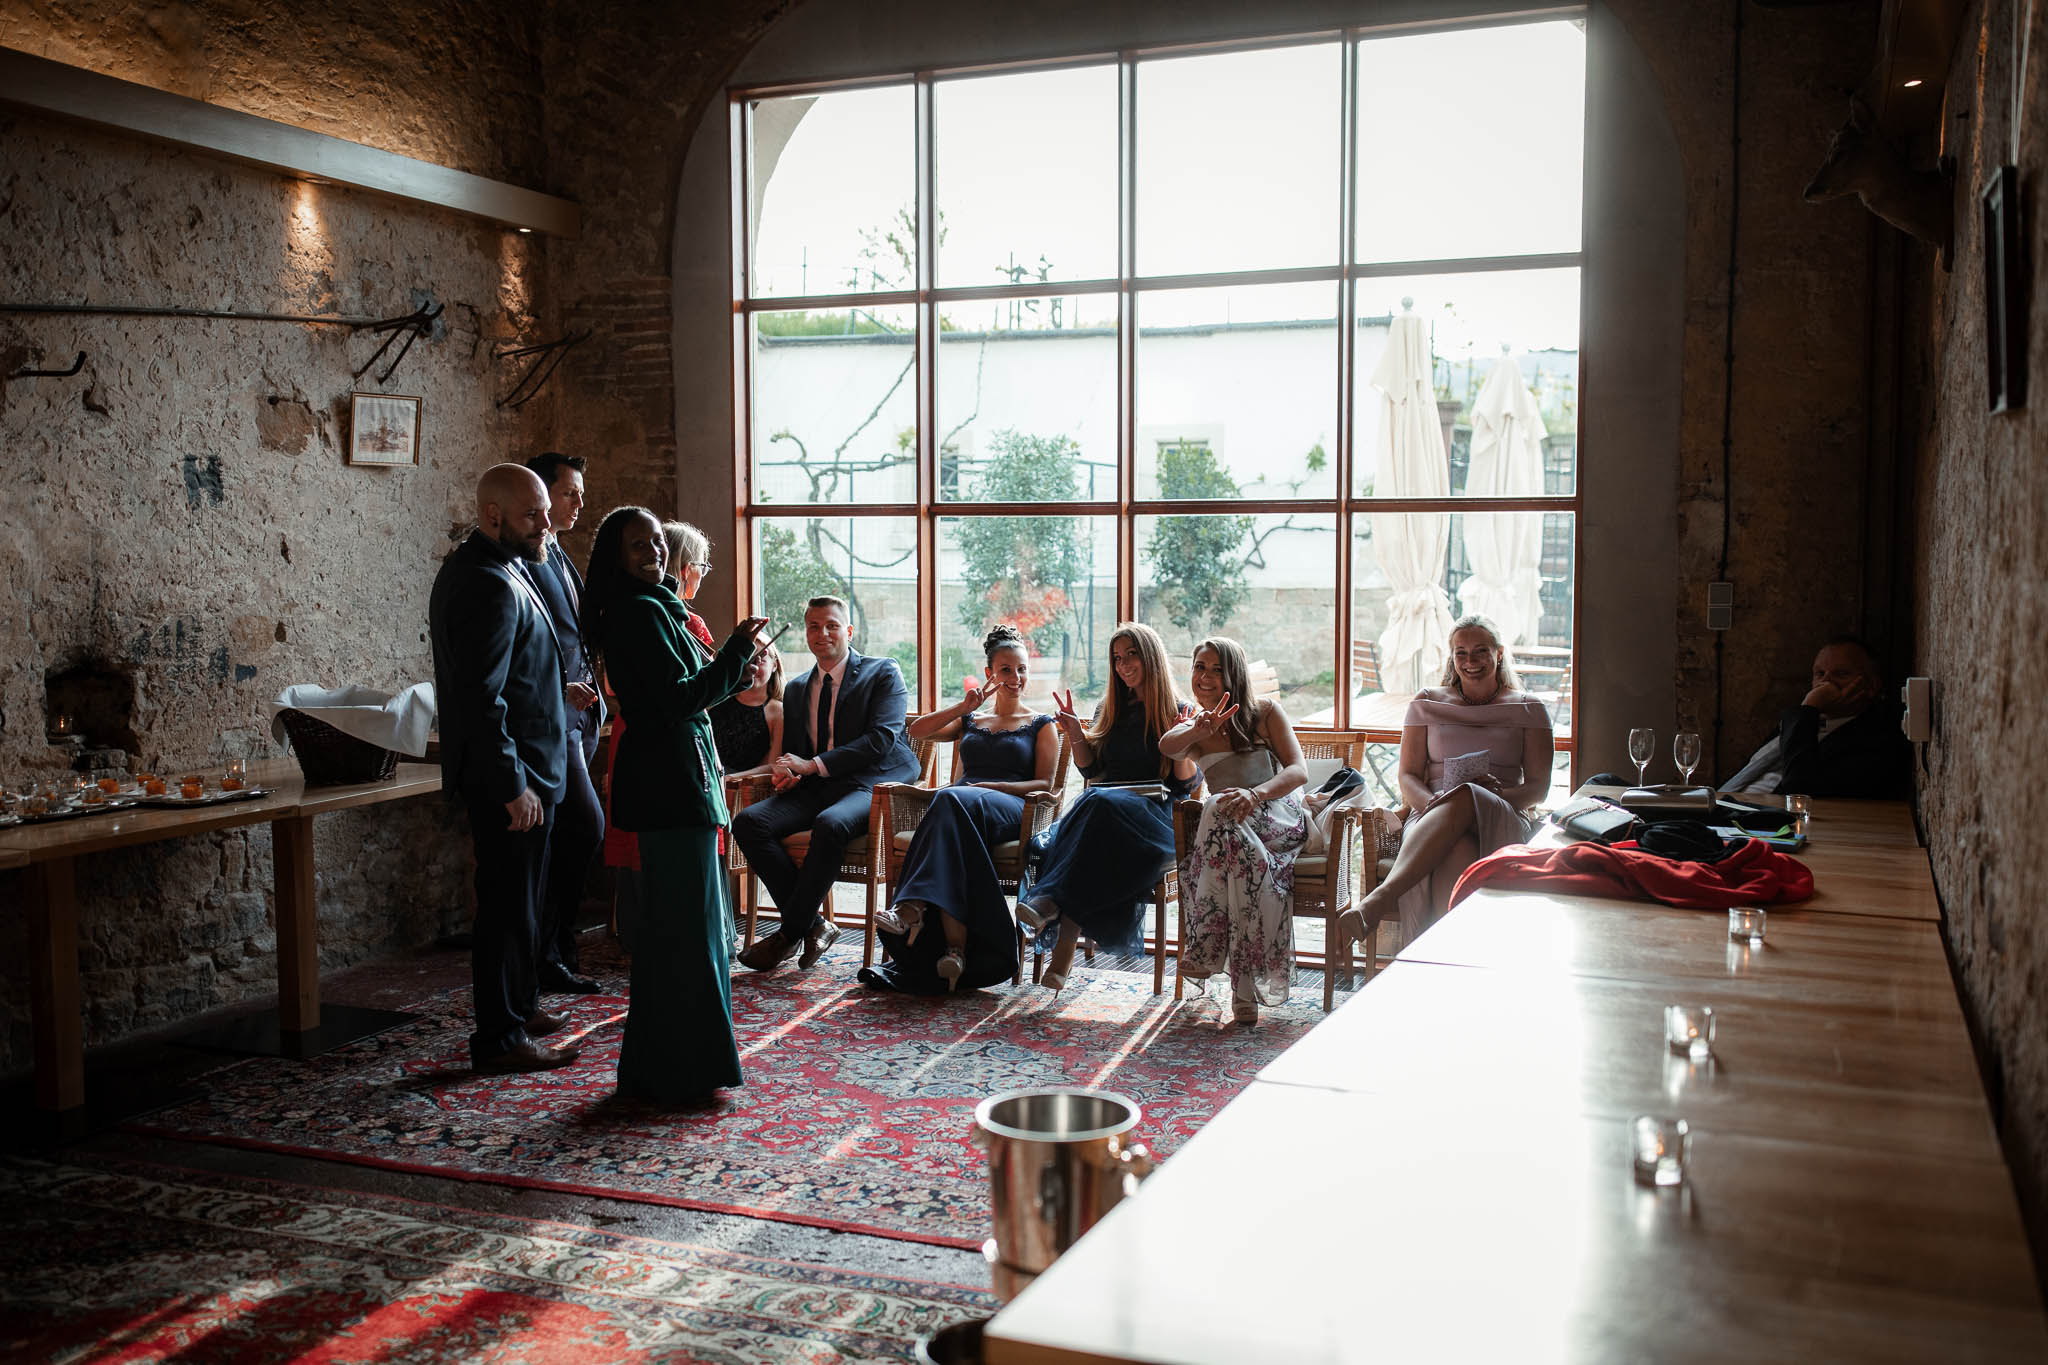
[[126, 1262], [855, 1115]]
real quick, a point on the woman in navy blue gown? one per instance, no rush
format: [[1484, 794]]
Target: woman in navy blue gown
[[948, 925], [1114, 843]]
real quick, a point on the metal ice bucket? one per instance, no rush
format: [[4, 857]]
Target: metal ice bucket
[[1057, 1162]]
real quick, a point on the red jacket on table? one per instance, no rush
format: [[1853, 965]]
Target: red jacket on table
[[1753, 874]]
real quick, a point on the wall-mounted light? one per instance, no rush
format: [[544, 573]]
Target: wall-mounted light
[[526, 229], [1915, 83]]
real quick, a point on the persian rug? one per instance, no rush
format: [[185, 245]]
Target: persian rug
[[856, 1113], [130, 1262]]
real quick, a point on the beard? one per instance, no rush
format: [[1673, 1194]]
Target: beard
[[534, 550]]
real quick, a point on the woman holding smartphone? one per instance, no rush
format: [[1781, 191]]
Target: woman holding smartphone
[[668, 789]]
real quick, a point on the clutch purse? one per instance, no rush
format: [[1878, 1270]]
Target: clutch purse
[[1591, 819]]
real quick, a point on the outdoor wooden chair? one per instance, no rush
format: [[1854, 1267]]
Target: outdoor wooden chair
[[900, 806], [857, 864], [1325, 884]]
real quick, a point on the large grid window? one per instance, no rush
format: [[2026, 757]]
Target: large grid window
[[1276, 341]]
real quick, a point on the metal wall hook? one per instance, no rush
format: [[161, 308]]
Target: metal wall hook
[[413, 326], [76, 366], [550, 355]]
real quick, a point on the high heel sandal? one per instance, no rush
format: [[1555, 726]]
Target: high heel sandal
[[951, 967], [1033, 918], [905, 918]]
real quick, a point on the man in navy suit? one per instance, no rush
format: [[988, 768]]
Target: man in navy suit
[[498, 686], [842, 733], [579, 820]]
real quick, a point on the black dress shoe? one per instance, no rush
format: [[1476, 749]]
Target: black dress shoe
[[769, 952], [816, 942], [559, 980], [524, 1055]]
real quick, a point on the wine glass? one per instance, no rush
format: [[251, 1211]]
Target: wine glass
[[1642, 743], [1685, 752]]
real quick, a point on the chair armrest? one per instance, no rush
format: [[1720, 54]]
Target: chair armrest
[[1041, 808], [744, 791], [1187, 814]]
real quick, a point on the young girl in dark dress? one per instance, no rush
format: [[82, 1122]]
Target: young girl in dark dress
[[1114, 843], [949, 924]]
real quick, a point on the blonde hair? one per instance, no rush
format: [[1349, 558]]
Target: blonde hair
[[686, 545], [1242, 728], [1504, 669], [1161, 699]]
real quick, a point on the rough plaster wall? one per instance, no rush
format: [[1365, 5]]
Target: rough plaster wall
[[450, 81], [1982, 602], [1802, 328], [625, 90], [182, 507]]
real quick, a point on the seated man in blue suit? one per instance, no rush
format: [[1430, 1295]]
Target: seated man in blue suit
[[842, 733]]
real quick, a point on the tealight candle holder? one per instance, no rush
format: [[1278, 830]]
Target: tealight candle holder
[[1689, 1029], [1746, 923], [1661, 1146]]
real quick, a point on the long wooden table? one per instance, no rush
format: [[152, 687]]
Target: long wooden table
[[49, 851], [1440, 1170]]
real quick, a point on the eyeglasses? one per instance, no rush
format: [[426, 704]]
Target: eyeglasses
[[701, 566]]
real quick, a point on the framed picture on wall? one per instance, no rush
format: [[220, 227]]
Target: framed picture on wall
[[383, 428]]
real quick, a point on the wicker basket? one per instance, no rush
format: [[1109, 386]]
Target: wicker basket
[[330, 758]]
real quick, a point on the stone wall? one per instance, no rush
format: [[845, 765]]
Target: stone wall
[[626, 85], [1981, 586], [182, 516], [1802, 334]]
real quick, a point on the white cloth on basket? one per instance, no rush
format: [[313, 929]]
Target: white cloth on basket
[[399, 723]]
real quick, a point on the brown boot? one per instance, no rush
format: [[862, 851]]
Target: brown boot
[[769, 952]]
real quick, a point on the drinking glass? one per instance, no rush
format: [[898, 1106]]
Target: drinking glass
[[1642, 743], [235, 776], [1685, 752]]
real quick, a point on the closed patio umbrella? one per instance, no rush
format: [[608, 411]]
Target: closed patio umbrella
[[1411, 548], [1505, 548]]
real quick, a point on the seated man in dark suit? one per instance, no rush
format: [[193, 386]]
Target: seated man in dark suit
[[842, 733], [1842, 739], [498, 688], [579, 819]]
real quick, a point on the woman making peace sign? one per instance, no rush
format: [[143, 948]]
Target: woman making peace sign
[[1113, 844]]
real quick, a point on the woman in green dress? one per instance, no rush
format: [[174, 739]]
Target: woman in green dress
[[667, 788]]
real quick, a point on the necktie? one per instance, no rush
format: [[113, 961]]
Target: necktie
[[821, 725]]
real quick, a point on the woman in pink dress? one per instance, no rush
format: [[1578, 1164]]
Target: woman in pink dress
[[1478, 709]]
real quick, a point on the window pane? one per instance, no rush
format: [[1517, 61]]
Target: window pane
[[832, 206], [1026, 176], [869, 561], [1237, 161], [1514, 567], [1054, 578], [1027, 400], [835, 406], [1514, 433], [1237, 392], [1268, 582], [1469, 143]]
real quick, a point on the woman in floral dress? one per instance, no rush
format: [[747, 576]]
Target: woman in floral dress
[[1237, 879]]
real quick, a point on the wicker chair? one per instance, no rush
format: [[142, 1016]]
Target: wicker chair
[[857, 865], [899, 806], [1325, 885]]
